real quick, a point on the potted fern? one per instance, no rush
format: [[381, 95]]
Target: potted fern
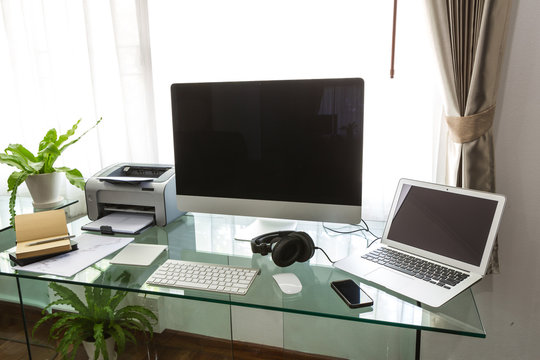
[[98, 322], [38, 170]]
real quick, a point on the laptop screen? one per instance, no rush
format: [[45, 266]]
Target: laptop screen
[[445, 223]]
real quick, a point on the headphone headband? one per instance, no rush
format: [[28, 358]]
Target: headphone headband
[[286, 246], [263, 243]]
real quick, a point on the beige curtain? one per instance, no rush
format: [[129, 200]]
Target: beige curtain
[[469, 37]]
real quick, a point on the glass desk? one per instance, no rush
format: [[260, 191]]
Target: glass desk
[[209, 238]]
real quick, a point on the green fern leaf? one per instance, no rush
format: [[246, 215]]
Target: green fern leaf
[[70, 298], [117, 332], [117, 298], [50, 138], [74, 176], [99, 339], [68, 134], [77, 139], [14, 181]]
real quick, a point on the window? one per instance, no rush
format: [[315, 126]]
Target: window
[[256, 40], [62, 60]]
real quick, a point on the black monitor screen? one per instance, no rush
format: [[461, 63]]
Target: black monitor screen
[[292, 140]]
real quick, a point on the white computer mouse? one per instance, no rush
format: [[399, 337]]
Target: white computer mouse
[[288, 283]]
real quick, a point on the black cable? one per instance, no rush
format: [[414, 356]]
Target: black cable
[[369, 231], [364, 228], [373, 241], [324, 252], [327, 229]]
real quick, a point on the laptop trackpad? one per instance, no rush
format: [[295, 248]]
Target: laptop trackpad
[[391, 280]]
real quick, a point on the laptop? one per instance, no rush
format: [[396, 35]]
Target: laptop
[[437, 242]]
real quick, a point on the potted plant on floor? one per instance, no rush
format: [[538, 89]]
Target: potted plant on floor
[[99, 323], [38, 170]]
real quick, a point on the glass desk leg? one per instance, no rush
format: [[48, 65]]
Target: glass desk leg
[[24, 319]]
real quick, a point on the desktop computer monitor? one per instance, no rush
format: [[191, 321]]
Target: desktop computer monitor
[[285, 149]]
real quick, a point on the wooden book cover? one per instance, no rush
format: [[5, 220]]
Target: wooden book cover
[[38, 227]]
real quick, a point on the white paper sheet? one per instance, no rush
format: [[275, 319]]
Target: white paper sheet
[[91, 248], [127, 223]]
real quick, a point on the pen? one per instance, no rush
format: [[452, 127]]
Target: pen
[[51, 240]]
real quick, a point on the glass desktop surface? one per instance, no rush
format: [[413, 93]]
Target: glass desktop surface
[[209, 238]]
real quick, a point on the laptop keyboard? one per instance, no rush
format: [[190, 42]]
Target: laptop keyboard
[[417, 267]]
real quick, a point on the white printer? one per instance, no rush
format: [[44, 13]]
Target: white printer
[[133, 188]]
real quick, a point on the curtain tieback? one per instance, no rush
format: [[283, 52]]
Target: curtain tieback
[[468, 128]]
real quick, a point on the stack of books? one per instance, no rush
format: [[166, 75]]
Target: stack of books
[[40, 236]]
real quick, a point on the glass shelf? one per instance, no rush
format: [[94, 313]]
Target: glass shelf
[[23, 205], [209, 238]]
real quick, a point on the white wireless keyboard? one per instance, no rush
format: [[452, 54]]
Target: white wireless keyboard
[[202, 276]]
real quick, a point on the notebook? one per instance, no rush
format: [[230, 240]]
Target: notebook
[[31, 260], [443, 237], [41, 233]]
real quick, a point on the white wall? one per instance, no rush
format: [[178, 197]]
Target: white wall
[[509, 303]]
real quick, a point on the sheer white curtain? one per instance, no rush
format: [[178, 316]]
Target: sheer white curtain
[[212, 40], [61, 60]]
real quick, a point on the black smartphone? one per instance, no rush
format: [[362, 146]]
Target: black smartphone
[[351, 293]]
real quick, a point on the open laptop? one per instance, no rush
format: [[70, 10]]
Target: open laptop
[[431, 227]]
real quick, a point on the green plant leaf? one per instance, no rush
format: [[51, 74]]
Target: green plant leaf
[[69, 297], [49, 154], [12, 160], [88, 296], [99, 339], [67, 321], [50, 138], [19, 150], [14, 181], [117, 332], [17, 158], [66, 344], [140, 315], [40, 322], [117, 298], [77, 139], [129, 335], [125, 312], [68, 134], [104, 298], [98, 320], [76, 342]]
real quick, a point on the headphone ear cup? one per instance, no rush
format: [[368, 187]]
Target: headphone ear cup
[[286, 251], [307, 247]]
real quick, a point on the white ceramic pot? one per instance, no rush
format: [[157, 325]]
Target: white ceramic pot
[[45, 189], [90, 348]]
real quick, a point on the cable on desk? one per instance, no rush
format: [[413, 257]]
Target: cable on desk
[[325, 254], [360, 229]]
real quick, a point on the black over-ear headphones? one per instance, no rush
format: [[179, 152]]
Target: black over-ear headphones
[[286, 246]]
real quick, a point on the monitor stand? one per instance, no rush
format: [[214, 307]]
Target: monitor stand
[[263, 226]]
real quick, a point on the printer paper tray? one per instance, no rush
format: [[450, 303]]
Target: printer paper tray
[[121, 222]]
